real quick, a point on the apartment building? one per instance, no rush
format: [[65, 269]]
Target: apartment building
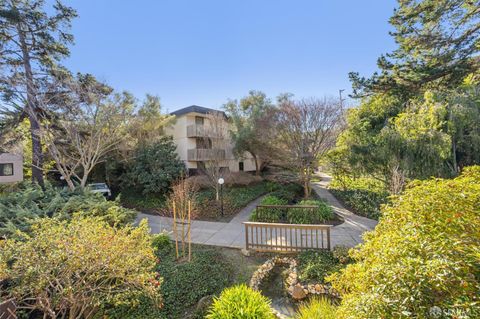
[[199, 141], [11, 168]]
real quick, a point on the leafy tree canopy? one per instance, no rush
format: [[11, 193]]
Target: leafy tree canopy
[[422, 256]]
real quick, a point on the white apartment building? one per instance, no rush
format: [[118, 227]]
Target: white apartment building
[[11, 168], [196, 145]]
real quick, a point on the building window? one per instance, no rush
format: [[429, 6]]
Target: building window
[[199, 120], [6, 169], [240, 166]]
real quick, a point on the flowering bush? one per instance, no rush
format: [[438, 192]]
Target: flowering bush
[[77, 268], [423, 256]]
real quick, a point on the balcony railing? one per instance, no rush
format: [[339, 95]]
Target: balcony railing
[[203, 154], [195, 130]]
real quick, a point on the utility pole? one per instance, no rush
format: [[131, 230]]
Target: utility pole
[[341, 98]]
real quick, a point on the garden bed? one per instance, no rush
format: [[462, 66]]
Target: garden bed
[[189, 287]]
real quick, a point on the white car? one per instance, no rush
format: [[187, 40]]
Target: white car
[[100, 188]]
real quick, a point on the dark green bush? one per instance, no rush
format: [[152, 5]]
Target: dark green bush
[[310, 216], [363, 196], [138, 201], [269, 215], [241, 302], [154, 167], [314, 266], [29, 202], [289, 192], [162, 243]]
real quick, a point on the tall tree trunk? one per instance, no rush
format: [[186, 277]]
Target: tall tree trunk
[[37, 153], [257, 165]]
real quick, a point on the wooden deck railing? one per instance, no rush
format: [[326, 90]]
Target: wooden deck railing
[[285, 238], [8, 310]]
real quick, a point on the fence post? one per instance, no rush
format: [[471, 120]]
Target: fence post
[[247, 246], [328, 238]]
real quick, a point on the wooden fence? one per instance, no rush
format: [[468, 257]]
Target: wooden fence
[[285, 238], [8, 310]]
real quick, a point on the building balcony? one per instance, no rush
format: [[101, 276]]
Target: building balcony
[[197, 130], [203, 154]]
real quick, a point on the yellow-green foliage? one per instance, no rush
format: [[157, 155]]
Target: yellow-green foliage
[[423, 257], [241, 302], [316, 308], [76, 267]]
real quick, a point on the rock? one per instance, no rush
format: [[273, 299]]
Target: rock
[[298, 293], [246, 252], [318, 288]]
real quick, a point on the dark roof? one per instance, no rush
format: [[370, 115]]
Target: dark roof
[[196, 109]]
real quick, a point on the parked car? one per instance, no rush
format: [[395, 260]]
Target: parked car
[[100, 188]]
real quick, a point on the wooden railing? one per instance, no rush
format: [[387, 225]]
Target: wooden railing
[[204, 154], [285, 238], [198, 130], [8, 310]]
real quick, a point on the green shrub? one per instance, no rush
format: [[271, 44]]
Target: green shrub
[[136, 200], [29, 202], [424, 253], [314, 265], [317, 308], [310, 216], [162, 243], [364, 196], [269, 215], [289, 192], [154, 167], [65, 267], [241, 302]]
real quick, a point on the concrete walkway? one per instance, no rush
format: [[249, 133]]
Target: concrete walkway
[[232, 234], [350, 232]]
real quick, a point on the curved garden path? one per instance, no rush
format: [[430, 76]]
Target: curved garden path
[[350, 232], [232, 234]]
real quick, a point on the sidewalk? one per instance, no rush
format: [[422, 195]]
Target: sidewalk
[[232, 234], [350, 232]]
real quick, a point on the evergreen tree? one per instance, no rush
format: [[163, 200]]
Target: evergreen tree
[[32, 43]]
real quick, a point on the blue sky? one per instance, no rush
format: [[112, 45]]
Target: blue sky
[[206, 51]]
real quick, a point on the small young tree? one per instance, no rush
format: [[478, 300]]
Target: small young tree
[[307, 130], [182, 203], [79, 266]]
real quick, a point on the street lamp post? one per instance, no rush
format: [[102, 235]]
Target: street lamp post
[[221, 181]]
